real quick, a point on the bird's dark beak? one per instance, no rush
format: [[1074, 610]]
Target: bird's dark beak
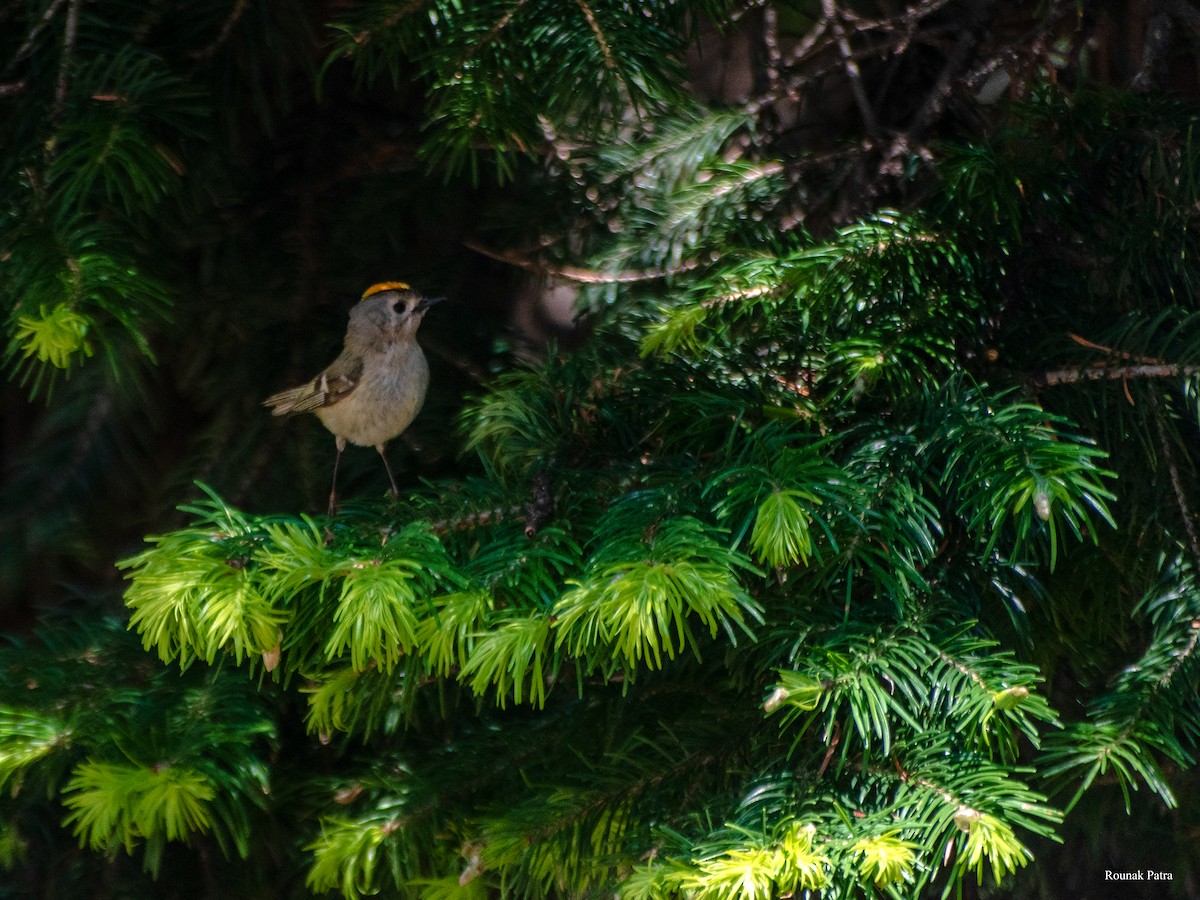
[[427, 302]]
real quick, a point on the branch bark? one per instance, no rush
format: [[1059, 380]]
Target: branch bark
[[870, 120], [1103, 371]]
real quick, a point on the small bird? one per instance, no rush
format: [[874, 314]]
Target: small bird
[[376, 387]]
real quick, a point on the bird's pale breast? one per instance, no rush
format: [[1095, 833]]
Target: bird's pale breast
[[387, 398]]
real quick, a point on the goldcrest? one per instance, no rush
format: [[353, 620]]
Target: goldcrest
[[376, 387]]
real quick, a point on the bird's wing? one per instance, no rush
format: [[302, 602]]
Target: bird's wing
[[328, 388]]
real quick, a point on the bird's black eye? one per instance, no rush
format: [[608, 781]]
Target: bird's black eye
[[399, 307]]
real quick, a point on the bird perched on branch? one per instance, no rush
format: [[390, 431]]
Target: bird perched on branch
[[376, 387]]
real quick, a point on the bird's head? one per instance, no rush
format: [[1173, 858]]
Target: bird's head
[[390, 309]]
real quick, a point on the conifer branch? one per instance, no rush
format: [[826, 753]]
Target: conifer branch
[[476, 519], [850, 64], [907, 20], [394, 18], [939, 94], [235, 14], [1156, 42], [578, 273], [1103, 371], [808, 44], [1092, 345], [1183, 655], [70, 33], [731, 296], [1185, 512], [1186, 11], [770, 37], [496, 29], [962, 667], [910, 778], [601, 40], [27, 46]]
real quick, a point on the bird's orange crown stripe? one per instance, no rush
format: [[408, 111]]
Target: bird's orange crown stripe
[[385, 286]]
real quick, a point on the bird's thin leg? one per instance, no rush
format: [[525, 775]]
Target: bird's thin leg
[[341, 445], [392, 478]]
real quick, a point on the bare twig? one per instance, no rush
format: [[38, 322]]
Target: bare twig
[[540, 508], [771, 45], [456, 358], [581, 275], [1156, 41], [70, 33], [27, 45], [806, 46], [476, 519], [1184, 11], [397, 15], [1014, 48], [1185, 511], [239, 8], [906, 20], [1092, 345], [870, 120], [939, 94], [1103, 371], [834, 740]]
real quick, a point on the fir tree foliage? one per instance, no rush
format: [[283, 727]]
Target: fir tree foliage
[[767, 590], [156, 760], [654, 569], [499, 72]]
